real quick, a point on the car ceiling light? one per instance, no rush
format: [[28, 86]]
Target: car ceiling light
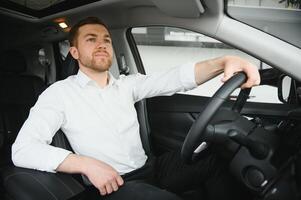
[[63, 25]]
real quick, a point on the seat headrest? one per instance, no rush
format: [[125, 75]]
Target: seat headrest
[[69, 67], [12, 61]]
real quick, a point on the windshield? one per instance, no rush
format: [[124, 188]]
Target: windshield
[[281, 18]]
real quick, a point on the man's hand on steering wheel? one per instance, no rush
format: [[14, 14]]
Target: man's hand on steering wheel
[[230, 65], [234, 64]]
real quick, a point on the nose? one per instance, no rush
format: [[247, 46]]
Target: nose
[[101, 45]]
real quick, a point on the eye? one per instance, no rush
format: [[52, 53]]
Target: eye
[[107, 40], [91, 39]]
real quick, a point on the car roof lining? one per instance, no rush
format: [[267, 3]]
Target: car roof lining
[[187, 8], [116, 13]]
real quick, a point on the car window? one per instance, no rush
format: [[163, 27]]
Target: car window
[[165, 47], [281, 18]]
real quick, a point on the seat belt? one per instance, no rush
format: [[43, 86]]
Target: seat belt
[[144, 126]]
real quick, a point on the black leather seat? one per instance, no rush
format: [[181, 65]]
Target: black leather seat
[[19, 92]]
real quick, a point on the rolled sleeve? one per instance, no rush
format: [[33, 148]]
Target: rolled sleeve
[[57, 157], [187, 76], [38, 156]]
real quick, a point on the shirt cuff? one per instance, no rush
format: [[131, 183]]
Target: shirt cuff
[[57, 157], [187, 76]]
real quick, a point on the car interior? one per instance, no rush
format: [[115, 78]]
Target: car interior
[[261, 140]]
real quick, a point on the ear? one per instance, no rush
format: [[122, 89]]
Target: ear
[[74, 52]]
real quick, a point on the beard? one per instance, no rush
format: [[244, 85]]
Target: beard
[[99, 64]]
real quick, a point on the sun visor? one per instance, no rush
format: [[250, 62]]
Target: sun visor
[[181, 8]]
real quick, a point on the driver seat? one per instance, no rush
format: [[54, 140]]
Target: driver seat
[[28, 184]]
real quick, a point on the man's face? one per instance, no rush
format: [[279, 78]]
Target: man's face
[[93, 48]]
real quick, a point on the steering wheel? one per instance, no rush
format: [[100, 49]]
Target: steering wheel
[[197, 140]]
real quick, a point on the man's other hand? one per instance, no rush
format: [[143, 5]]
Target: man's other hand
[[104, 177]]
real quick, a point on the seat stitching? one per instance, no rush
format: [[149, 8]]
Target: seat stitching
[[6, 179]]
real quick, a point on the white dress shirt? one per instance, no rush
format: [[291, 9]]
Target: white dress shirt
[[98, 122]]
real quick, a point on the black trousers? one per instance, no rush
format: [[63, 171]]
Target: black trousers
[[168, 177]]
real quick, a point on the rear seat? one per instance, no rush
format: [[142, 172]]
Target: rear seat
[[18, 93]]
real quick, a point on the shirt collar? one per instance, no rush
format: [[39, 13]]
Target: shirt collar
[[85, 80]]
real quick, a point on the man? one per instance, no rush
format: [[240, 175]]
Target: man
[[97, 114]]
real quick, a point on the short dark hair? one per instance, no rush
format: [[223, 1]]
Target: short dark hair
[[74, 30]]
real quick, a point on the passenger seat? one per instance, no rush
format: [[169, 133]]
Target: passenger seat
[[18, 93]]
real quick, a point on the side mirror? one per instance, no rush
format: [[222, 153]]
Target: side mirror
[[284, 88]]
